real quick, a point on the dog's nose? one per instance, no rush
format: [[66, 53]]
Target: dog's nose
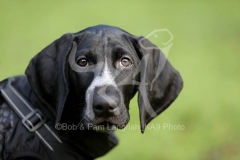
[[105, 102]]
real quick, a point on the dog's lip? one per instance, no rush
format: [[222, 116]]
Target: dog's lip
[[107, 123]]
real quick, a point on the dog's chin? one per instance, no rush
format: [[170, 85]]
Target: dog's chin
[[105, 125]]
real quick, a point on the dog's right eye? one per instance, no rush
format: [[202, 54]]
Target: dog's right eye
[[82, 62]]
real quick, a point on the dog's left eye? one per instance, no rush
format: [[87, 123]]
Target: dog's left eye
[[82, 62], [126, 62]]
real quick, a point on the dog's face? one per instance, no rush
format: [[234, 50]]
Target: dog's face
[[98, 71], [103, 78]]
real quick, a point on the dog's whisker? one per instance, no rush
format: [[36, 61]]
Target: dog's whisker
[[82, 118]]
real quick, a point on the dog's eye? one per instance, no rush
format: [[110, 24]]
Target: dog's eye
[[126, 62], [82, 62]]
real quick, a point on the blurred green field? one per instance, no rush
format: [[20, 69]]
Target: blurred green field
[[206, 51]]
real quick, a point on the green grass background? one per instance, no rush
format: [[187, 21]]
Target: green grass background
[[206, 51]]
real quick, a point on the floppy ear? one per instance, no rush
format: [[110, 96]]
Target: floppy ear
[[160, 83], [47, 74]]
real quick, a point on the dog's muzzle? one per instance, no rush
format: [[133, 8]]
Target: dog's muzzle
[[105, 102]]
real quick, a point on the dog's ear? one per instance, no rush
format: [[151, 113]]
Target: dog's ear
[[160, 83], [47, 74]]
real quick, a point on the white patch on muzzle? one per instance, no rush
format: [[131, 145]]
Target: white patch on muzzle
[[105, 79]]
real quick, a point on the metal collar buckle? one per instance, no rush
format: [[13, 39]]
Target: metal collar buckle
[[33, 120]]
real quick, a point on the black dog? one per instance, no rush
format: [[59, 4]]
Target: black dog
[[82, 84]]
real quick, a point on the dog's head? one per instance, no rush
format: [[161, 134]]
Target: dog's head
[[92, 75]]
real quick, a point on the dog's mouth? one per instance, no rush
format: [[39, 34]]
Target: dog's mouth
[[111, 125], [105, 125]]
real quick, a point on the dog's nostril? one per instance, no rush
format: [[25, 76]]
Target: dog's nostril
[[99, 108], [104, 109], [111, 108]]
